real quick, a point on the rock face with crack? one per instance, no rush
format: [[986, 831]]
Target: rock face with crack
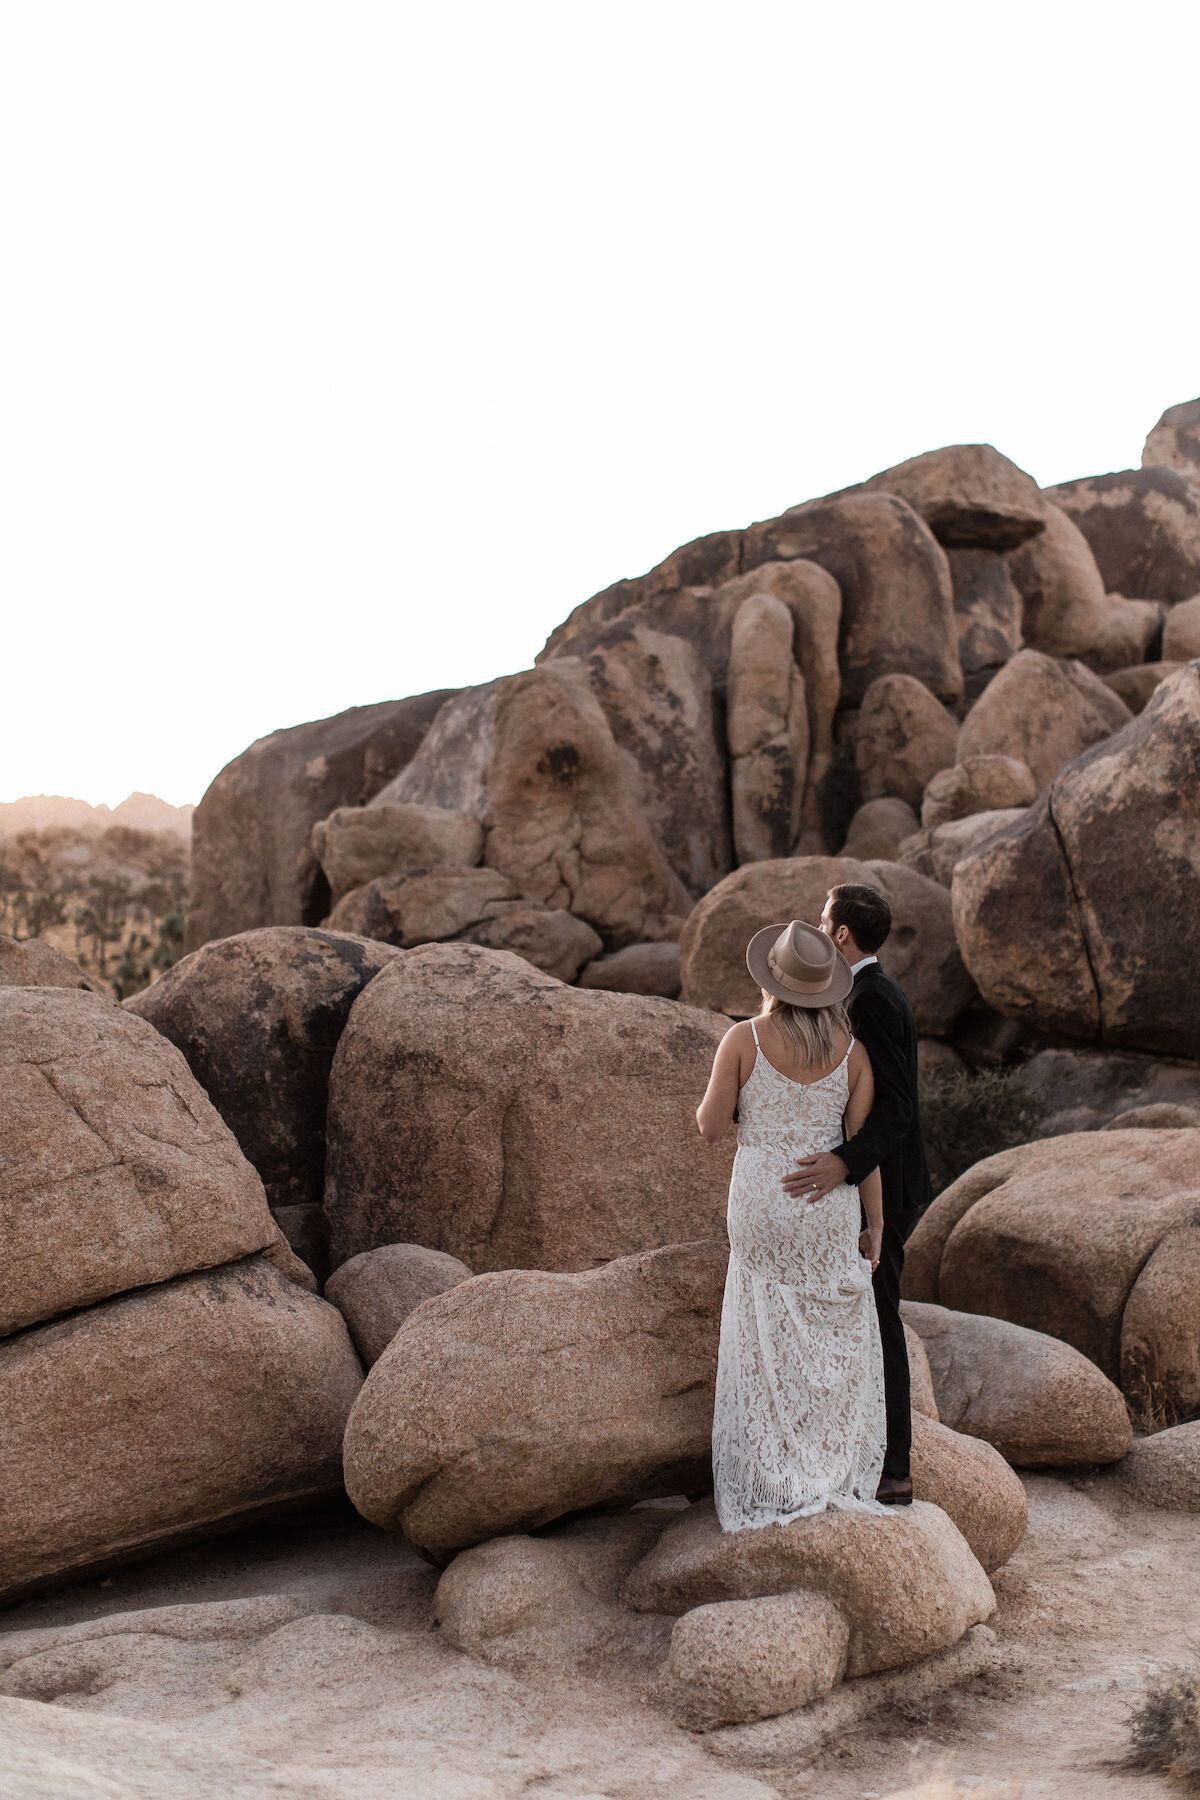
[[252, 857], [185, 1407], [258, 1017], [1108, 863], [521, 1396], [115, 1169], [1037, 1400], [1093, 1239], [471, 1110]]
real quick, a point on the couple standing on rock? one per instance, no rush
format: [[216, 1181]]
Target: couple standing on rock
[[812, 1403]]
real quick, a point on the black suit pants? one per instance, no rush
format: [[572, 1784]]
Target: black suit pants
[[896, 1387]]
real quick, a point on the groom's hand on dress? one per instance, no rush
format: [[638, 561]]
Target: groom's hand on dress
[[815, 1177]]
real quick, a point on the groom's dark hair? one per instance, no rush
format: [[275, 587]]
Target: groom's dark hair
[[864, 910]]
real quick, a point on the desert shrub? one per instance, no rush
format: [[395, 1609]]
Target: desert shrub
[[1164, 1729], [965, 1117]]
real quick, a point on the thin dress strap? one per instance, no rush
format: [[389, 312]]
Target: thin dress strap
[[754, 1029]]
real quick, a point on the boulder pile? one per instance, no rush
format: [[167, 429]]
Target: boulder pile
[[166, 1368]]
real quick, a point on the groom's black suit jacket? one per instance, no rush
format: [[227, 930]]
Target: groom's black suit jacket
[[890, 1140]]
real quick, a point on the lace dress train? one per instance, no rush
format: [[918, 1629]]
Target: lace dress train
[[799, 1420]]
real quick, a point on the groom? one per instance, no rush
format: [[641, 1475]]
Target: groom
[[858, 919]]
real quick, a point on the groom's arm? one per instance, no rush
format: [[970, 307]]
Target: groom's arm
[[880, 1029]]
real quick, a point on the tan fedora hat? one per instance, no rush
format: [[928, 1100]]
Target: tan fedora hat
[[799, 964]]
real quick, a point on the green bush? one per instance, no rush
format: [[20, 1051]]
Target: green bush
[[966, 1117]]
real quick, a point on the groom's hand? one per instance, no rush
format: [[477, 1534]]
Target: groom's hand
[[815, 1177]]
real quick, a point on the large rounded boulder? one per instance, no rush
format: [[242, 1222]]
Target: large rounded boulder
[[115, 1169], [1108, 864], [1036, 1400], [258, 1017], [184, 1408], [520, 1396], [1041, 712], [480, 1107], [1092, 1238], [921, 952], [1143, 526], [1064, 606]]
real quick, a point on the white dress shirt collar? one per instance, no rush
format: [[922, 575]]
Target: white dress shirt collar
[[862, 963]]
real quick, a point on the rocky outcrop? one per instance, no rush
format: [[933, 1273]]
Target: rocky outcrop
[[1106, 862], [1065, 609], [32, 963], [117, 1170], [969, 495], [906, 1585], [376, 1291], [904, 736], [357, 843], [258, 1017], [1137, 685], [563, 821], [1042, 713], [1143, 526], [767, 731], [472, 1107], [1175, 441], [521, 1396], [897, 598], [1093, 1239], [1035, 1399], [188, 1407], [977, 784], [920, 954], [1081, 1090], [252, 857]]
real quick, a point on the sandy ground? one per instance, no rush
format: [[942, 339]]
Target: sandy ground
[[313, 1672]]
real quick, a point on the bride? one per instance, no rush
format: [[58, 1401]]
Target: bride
[[799, 1419]]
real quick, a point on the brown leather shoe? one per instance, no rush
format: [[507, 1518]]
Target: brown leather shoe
[[895, 1490]]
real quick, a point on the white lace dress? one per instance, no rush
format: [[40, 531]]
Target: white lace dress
[[799, 1420]]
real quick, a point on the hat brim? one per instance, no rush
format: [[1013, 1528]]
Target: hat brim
[[757, 952]]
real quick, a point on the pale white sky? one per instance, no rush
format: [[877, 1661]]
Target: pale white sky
[[345, 348]]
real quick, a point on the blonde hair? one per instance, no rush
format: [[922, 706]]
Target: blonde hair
[[812, 1031]]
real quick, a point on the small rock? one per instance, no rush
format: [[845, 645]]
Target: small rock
[[357, 843], [548, 937], [971, 1483], [376, 1290], [1164, 1470], [638, 969], [977, 784], [878, 829], [907, 1583], [1181, 633], [736, 1660], [904, 737]]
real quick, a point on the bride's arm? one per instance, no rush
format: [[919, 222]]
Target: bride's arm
[[714, 1115]]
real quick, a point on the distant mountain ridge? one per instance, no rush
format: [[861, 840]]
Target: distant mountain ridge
[[144, 812]]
